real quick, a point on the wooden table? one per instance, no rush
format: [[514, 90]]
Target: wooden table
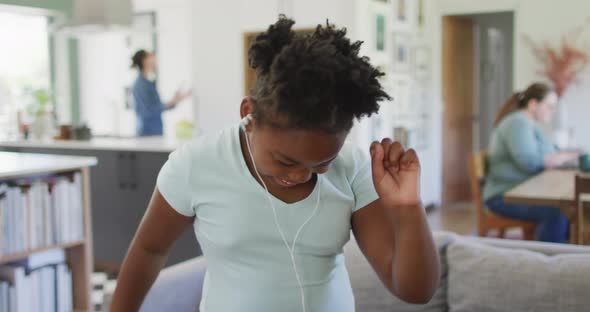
[[550, 188]]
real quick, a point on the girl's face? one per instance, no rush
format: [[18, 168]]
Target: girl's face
[[290, 157], [543, 110]]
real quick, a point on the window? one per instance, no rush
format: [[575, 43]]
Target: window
[[24, 63]]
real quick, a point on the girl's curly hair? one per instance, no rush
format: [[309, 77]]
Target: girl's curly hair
[[313, 81]]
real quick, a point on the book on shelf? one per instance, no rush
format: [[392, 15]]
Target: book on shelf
[[40, 283], [15, 278], [38, 212], [43, 258]]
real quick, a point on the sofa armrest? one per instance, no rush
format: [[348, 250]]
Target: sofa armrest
[[177, 288]]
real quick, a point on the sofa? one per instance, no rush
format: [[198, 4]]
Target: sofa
[[478, 274]]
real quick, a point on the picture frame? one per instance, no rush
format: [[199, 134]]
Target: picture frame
[[401, 88], [402, 45], [380, 33], [420, 15], [404, 12], [401, 134], [376, 130], [421, 62]]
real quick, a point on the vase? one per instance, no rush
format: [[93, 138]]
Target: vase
[[41, 127], [561, 127]]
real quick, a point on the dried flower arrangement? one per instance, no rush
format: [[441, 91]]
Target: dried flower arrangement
[[562, 63]]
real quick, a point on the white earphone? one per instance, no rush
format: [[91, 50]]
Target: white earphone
[[245, 122]]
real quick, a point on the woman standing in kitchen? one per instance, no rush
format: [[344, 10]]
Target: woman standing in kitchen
[[147, 103]]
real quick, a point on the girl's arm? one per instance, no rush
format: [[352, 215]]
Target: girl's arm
[[393, 232], [400, 249], [159, 229]]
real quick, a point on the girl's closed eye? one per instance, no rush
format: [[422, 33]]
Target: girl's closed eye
[[285, 163]]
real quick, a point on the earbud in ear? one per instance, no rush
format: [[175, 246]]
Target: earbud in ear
[[246, 121]]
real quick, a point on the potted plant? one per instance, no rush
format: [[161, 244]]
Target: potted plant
[[40, 109]]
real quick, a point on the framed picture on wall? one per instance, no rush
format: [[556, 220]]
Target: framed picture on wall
[[421, 61], [401, 52], [401, 135], [380, 32], [401, 96], [404, 12], [376, 128], [420, 15]]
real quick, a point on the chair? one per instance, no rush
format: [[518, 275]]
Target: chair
[[582, 190], [486, 219]]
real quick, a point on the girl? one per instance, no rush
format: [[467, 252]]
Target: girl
[[518, 150], [148, 106], [272, 201]]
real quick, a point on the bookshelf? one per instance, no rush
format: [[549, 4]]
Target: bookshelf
[[21, 255], [78, 252]]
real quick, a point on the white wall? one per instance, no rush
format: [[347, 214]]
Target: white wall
[[218, 47], [102, 84], [576, 101], [431, 157], [549, 23], [540, 19]]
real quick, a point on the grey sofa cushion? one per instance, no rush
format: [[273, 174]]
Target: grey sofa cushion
[[178, 288], [484, 278], [370, 294]]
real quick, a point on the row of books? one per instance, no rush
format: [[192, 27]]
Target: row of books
[[40, 212], [40, 283]]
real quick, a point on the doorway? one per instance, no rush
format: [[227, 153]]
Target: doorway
[[477, 73]]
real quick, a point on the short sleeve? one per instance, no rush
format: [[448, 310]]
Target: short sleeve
[[174, 183], [362, 179]]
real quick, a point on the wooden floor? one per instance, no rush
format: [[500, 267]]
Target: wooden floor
[[458, 218]]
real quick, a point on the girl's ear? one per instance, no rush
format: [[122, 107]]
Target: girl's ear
[[246, 107]]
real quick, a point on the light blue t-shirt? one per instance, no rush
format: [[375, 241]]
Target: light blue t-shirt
[[516, 153], [249, 267]]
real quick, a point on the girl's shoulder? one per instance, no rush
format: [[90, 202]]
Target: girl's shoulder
[[351, 159], [206, 148]]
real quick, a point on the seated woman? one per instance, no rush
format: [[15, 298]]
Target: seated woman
[[518, 150]]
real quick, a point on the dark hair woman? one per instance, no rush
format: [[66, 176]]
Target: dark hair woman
[[518, 150], [273, 200], [147, 103]]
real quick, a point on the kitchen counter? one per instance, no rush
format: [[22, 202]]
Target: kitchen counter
[[139, 144], [121, 184]]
